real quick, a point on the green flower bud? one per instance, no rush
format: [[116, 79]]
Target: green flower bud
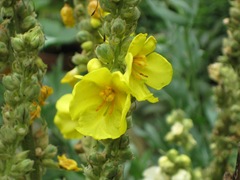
[[166, 165], [28, 22], [79, 10], [124, 142], [10, 82], [172, 154], [126, 154], [183, 161], [97, 158], [17, 44], [83, 36], [88, 45], [79, 59], [131, 14], [110, 171], [22, 9], [118, 26], [8, 135], [95, 22], [3, 50], [105, 53], [93, 64], [31, 92], [34, 37], [7, 12], [49, 152], [22, 131], [24, 166], [20, 157], [7, 3]]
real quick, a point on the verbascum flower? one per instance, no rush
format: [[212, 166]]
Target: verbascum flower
[[100, 104], [63, 119], [67, 15], [68, 164], [146, 68]]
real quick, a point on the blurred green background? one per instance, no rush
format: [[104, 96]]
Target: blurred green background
[[189, 35]]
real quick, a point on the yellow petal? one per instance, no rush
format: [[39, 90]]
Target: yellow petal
[[159, 71], [140, 91], [149, 46], [63, 119], [137, 44], [70, 77]]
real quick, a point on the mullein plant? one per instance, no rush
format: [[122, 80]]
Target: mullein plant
[[24, 148], [121, 67], [225, 72]]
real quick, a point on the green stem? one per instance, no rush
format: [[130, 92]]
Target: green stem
[[28, 144]]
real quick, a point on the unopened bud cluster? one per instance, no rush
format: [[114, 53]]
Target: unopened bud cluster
[[179, 133]]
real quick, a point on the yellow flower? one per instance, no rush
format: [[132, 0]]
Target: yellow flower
[[146, 68], [67, 15], [100, 104], [63, 119], [68, 164], [70, 77]]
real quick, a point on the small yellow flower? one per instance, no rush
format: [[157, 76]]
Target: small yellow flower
[[100, 104], [70, 77], [63, 119], [146, 68], [67, 15], [68, 164]]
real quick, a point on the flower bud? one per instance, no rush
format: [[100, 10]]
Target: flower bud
[[95, 22], [3, 49], [20, 157], [110, 170], [131, 13], [34, 37], [104, 53], [183, 161], [118, 26], [79, 59], [97, 158], [83, 36], [17, 43], [31, 92], [28, 23], [8, 135], [24, 166], [126, 154], [10, 82], [166, 165], [172, 154], [93, 64], [49, 152], [67, 15], [88, 45]]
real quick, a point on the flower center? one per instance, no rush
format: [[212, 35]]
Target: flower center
[[108, 95], [140, 60], [139, 63]]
